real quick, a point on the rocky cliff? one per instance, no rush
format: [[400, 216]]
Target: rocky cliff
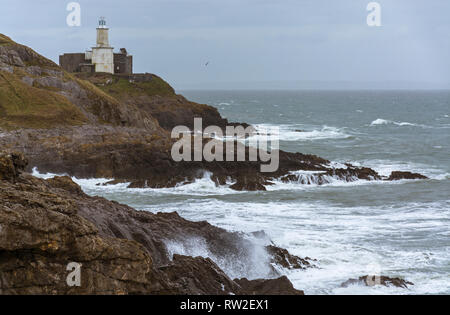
[[118, 127]]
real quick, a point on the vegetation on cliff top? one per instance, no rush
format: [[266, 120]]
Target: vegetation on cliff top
[[5, 40], [155, 96], [122, 86]]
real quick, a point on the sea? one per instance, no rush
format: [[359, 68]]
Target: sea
[[396, 229]]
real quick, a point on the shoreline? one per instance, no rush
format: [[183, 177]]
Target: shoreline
[[104, 126]]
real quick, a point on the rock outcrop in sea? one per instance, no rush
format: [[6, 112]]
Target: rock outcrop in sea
[[372, 280]]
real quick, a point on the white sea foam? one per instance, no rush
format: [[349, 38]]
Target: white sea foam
[[306, 180], [313, 182], [90, 184], [203, 186], [380, 121], [225, 103], [255, 264], [386, 167], [297, 133], [346, 240]]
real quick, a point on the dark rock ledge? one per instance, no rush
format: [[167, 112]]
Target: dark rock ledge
[[371, 281]]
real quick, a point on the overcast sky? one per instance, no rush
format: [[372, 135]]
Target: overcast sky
[[251, 43]]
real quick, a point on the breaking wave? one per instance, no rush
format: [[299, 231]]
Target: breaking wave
[[252, 261], [328, 232], [205, 186], [386, 167], [379, 122], [296, 133]]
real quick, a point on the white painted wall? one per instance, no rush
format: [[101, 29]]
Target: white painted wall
[[103, 55], [103, 59], [102, 37]]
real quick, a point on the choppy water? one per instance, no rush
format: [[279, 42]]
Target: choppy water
[[353, 229]]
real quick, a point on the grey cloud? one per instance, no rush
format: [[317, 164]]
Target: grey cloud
[[251, 40]]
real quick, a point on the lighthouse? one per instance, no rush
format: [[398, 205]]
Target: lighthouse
[[102, 53], [100, 58]]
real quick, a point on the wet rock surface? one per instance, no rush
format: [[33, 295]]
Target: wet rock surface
[[280, 286], [371, 281], [405, 175], [47, 224], [11, 165], [199, 275], [282, 257]]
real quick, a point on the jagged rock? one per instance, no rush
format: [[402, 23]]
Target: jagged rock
[[11, 165], [280, 286], [405, 175], [282, 257], [244, 184], [17, 55], [28, 80], [378, 280], [38, 71], [11, 57], [66, 183], [199, 276], [350, 173], [6, 68]]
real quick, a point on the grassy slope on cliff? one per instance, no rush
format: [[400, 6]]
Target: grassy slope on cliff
[[30, 107], [29, 56], [22, 105], [121, 87], [5, 40], [155, 96]]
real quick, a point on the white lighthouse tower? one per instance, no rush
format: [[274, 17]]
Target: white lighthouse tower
[[103, 54]]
